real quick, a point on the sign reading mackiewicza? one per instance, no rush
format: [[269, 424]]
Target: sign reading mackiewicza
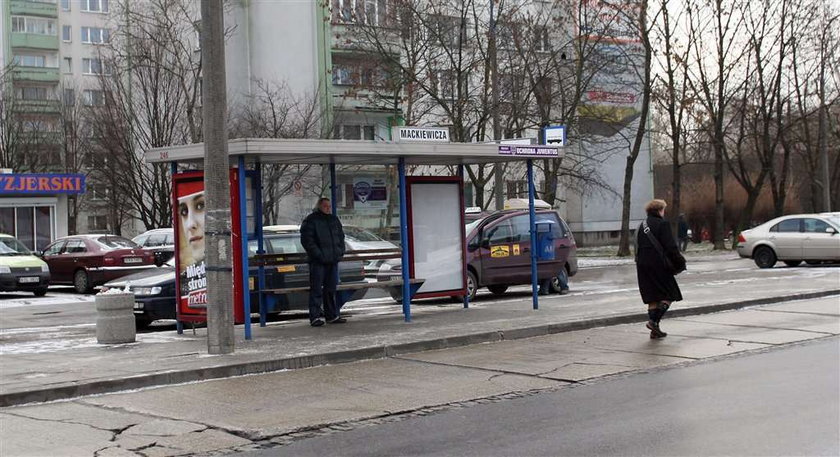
[[555, 134], [533, 151], [420, 134], [370, 193]]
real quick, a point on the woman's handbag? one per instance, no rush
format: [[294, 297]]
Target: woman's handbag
[[669, 265]]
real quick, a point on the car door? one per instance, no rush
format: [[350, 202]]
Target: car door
[[787, 237], [819, 244], [522, 246], [496, 253], [52, 257], [76, 255]]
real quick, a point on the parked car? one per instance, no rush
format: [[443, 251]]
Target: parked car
[[20, 269], [359, 239], [87, 261], [160, 242], [813, 238], [499, 253], [154, 290]]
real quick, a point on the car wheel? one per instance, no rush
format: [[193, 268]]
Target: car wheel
[[397, 296], [792, 263], [142, 323], [497, 290], [40, 292], [471, 289], [764, 257], [557, 281], [81, 282]]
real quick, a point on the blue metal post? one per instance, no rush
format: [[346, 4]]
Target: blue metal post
[[461, 175], [333, 190], [334, 203], [173, 168], [258, 232], [533, 220], [406, 293], [243, 227]]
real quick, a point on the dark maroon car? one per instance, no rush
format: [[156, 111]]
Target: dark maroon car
[[86, 261]]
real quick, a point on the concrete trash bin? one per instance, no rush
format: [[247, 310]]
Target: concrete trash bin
[[115, 318]]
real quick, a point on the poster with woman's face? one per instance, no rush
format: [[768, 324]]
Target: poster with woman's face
[[190, 226]]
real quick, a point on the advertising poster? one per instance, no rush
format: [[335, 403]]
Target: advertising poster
[[370, 193], [189, 219]]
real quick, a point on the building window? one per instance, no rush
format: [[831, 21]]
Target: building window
[[94, 35], [69, 97], [93, 98], [541, 41], [36, 25], [354, 132], [32, 93], [65, 5], [95, 67], [515, 189], [98, 223], [95, 6], [447, 31], [67, 66], [66, 33], [353, 72], [97, 191], [30, 61], [370, 12]]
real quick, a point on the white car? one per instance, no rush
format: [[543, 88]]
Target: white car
[[359, 239], [814, 238]]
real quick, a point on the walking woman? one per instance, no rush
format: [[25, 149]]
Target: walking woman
[[658, 260]]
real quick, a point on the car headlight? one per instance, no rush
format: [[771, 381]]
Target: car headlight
[[4, 269], [45, 268], [146, 290]]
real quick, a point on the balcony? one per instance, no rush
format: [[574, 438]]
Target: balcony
[[37, 106], [42, 9], [39, 74], [34, 41]]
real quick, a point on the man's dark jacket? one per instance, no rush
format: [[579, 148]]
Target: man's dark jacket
[[322, 237]]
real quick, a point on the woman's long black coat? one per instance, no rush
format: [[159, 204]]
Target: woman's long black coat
[[655, 282]]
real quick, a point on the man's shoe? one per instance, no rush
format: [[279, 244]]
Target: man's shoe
[[317, 322], [337, 320], [655, 332]]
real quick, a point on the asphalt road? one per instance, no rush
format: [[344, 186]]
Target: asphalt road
[[782, 402]]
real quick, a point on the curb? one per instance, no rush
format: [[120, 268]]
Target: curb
[[291, 363]]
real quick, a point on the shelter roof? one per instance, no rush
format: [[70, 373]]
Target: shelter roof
[[344, 152]]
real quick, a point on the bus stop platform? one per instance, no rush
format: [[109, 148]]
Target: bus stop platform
[[54, 370]]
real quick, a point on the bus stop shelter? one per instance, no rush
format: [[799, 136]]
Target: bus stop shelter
[[245, 153]]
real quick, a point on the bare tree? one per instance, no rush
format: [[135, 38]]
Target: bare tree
[[273, 111], [715, 79]]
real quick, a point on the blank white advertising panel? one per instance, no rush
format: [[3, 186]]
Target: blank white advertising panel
[[438, 235]]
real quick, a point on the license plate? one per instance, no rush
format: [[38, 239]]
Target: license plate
[[29, 279], [133, 260], [138, 305]]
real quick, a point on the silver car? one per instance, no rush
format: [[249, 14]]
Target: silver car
[[814, 238]]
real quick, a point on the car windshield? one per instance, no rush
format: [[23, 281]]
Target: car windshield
[[116, 242], [360, 234], [10, 246]]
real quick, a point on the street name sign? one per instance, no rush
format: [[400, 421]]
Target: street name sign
[[420, 134]]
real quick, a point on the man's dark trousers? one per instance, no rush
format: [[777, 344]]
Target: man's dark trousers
[[323, 278]]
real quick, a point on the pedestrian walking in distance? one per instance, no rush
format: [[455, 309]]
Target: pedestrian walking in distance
[[682, 232], [658, 260], [322, 236]]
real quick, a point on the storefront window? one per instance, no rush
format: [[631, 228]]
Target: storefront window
[[7, 221], [26, 227], [43, 227]]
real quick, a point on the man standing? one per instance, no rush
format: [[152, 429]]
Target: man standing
[[323, 238]]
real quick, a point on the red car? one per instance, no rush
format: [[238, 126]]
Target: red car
[[86, 261]]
